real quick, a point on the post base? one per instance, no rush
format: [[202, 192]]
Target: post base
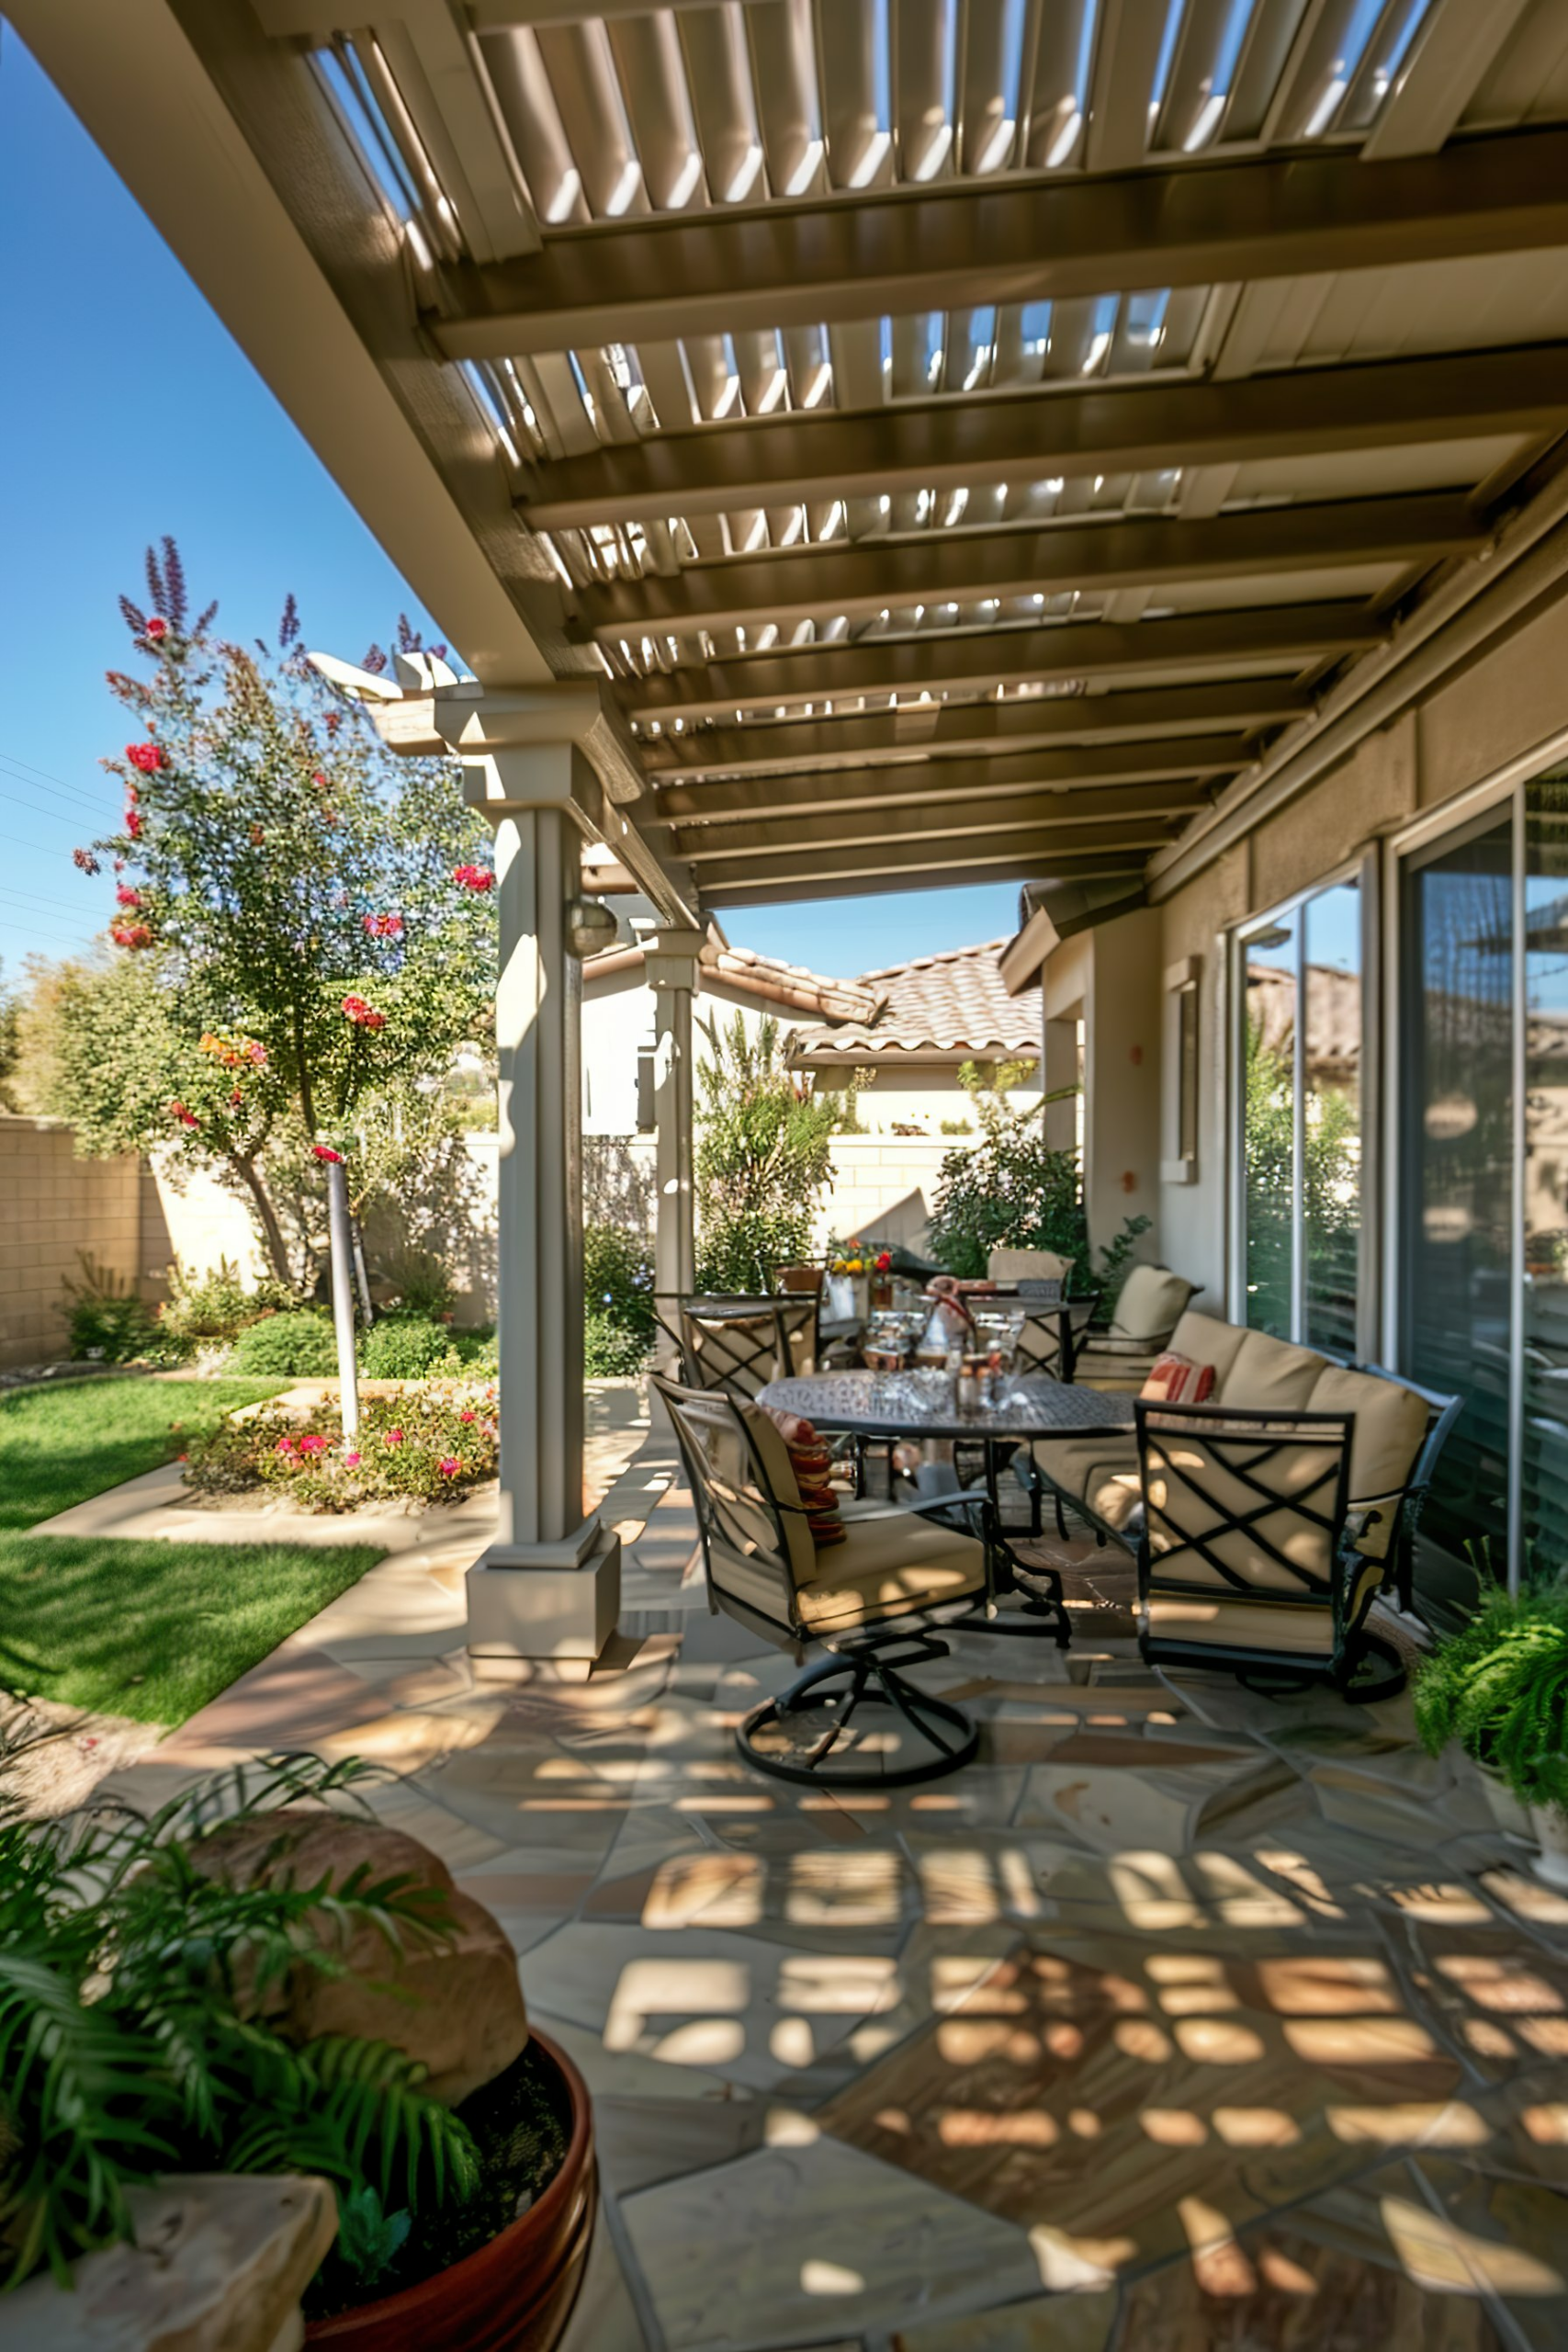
[[547, 1601]]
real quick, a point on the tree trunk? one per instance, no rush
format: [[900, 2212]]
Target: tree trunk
[[266, 1216]]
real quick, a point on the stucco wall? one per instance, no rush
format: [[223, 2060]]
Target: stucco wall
[[1502, 705], [53, 1206]]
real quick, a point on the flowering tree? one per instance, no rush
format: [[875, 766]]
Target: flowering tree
[[311, 918]]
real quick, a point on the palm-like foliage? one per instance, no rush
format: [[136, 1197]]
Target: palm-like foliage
[[1499, 1686], [134, 2032]]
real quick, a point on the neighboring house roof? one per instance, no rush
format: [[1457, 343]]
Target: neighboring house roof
[[789, 986], [938, 1008]]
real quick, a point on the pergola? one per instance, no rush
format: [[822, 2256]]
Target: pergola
[[863, 444]]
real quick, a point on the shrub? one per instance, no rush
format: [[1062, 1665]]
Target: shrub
[[764, 1154], [611, 1351], [216, 1305], [299, 1346], [1499, 1686], [617, 1277], [108, 1323], [422, 1282], [433, 1445], [403, 1347]]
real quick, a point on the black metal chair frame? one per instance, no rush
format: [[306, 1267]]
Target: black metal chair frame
[[763, 1355], [1407, 1506], [869, 1662], [1244, 1443]]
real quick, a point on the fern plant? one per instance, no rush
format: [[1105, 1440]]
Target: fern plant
[[1499, 1686], [134, 2032]]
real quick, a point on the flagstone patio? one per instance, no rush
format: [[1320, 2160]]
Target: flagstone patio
[[1179, 2019]]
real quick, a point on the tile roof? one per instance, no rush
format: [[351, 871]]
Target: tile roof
[[790, 985], [956, 1004]]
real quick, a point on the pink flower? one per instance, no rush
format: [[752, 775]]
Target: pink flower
[[133, 823], [351, 1461], [467, 1417], [332, 722], [257, 1052], [449, 1466], [88, 862], [394, 1437], [187, 1118], [313, 1445], [363, 1015], [318, 780], [148, 757], [125, 897], [284, 1445], [383, 926], [157, 630], [325, 1151], [235, 1099], [474, 877]]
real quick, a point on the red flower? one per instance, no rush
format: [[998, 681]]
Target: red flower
[[467, 1417], [394, 1437], [313, 1445], [325, 1151], [187, 1118], [383, 926], [351, 1461], [86, 861], [130, 934], [236, 1099], [353, 1006], [474, 877], [148, 757], [449, 1466], [133, 823], [257, 837], [332, 721], [363, 1015], [285, 1445], [156, 629], [125, 897], [884, 1262]]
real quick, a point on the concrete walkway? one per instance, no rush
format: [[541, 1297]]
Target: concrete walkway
[[1178, 2020]]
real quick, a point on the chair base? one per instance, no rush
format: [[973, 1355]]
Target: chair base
[[1376, 1669], [1028, 1615], [872, 1680]]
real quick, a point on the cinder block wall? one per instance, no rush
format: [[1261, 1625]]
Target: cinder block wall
[[52, 1205]]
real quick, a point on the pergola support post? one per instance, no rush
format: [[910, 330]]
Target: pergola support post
[[670, 964], [548, 1587]]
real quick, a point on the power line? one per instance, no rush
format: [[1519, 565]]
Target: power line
[[16, 760], [64, 792]]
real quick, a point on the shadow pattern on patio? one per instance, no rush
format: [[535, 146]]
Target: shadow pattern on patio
[[1180, 2019]]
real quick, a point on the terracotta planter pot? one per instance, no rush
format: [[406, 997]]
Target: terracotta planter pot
[[514, 2294]]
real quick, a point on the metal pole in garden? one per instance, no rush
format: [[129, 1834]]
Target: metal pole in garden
[[342, 1294]]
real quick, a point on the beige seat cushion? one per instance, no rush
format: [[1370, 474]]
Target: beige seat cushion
[[1269, 1375], [1027, 1266], [1391, 1425], [893, 1564], [1081, 1466], [1300, 1629], [1150, 1305], [1208, 1341]]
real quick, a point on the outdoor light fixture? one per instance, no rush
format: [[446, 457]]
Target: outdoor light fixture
[[589, 926]]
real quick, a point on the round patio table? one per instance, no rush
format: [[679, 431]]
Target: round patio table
[[919, 1403]]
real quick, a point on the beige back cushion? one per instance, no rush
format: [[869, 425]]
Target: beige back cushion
[[1391, 1424], [1203, 1339], [1194, 1486], [1270, 1375], [1151, 1303], [779, 1471], [1027, 1266]]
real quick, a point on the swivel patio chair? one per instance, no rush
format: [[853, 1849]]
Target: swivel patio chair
[[867, 1600], [1246, 1550]]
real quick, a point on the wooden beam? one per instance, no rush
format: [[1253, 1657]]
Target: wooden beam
[[1163, 713], [1079, 775], [942, 567], [1047, 239], [953, 663], [1026, 855], [1077, 821], [811, 457]]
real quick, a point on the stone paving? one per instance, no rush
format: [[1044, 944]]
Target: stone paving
[[1179, 2019]]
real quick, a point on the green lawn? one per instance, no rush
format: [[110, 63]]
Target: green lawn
[[147, 1630]]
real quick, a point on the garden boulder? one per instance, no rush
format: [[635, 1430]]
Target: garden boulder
[[451, 1999]]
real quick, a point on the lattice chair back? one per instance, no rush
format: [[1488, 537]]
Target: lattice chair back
[[798, 1326], [756, 1544], [1041, 1336], [734, 1344], [1243, 1545]]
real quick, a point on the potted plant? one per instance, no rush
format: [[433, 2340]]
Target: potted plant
[[262, 1978], [1499, 1688]]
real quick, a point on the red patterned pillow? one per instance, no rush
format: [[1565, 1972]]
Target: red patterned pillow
[[811, 1461], [1176, 1380]]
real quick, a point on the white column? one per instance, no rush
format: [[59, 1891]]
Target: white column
[[549, 1586], [670, 963]]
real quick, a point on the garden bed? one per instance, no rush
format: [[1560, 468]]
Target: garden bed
[[419, 1442]]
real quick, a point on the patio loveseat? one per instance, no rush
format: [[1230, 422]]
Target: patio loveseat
[[1393, 1430]]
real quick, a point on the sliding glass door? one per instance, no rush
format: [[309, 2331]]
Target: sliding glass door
[[1481, 1295], [1301, 1116]]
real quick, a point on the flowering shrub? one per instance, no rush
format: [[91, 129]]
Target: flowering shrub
[[430, 1445]]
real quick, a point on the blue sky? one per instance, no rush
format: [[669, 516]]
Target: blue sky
[[127, 412]]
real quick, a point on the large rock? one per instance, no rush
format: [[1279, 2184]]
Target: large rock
[[219, 2266], [456, 2003]]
